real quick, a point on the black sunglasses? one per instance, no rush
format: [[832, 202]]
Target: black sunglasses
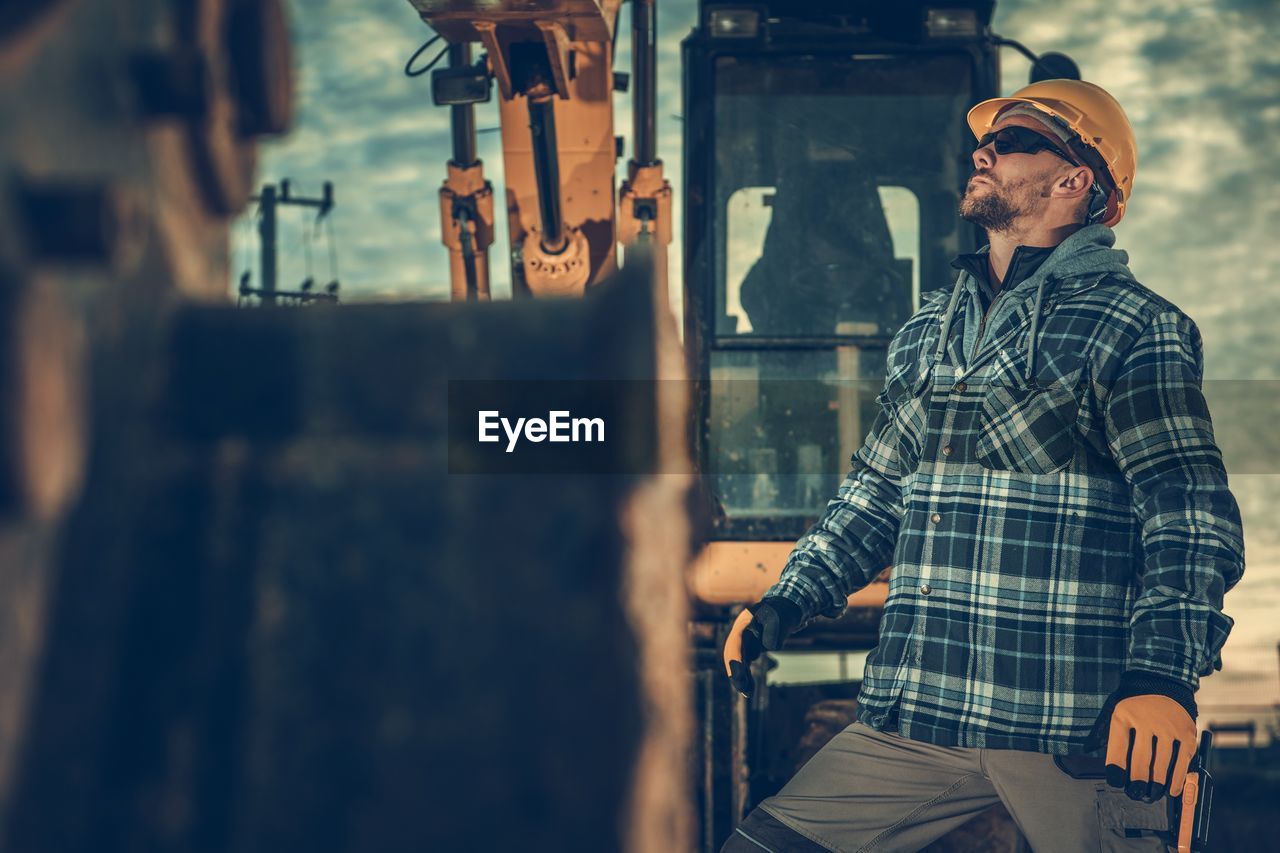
[[1022, 140]]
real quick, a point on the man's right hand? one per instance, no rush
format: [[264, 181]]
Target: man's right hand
[[759, 627]]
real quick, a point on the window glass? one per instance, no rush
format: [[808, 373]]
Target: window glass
[[837, 180], [785, 423], [748, 215]]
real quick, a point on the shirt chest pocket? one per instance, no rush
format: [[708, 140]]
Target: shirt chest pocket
[[1028, 427], [906, 399]]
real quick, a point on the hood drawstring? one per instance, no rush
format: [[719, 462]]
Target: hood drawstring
[[946, 320], [947, 317]]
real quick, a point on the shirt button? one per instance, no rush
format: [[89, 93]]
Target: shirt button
[[925, 589], [935, 518], [946, 451], [960, 387]]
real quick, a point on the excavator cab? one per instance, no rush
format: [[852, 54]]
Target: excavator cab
[[826, 154]]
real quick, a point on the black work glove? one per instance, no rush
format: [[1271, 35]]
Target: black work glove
[[760, 627], [1148, 728]]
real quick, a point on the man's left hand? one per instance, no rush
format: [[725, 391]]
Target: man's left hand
[[1150, 747]]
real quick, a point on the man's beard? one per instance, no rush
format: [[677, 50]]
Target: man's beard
[[991, 211]]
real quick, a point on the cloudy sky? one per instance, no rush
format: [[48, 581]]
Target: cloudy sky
[[1200, 82]]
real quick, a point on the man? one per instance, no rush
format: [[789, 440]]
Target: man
[[1043, 478]]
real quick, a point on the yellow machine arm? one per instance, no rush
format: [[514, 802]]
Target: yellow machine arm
[[554, 70]]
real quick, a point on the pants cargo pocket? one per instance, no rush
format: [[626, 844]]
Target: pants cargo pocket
[[1128, 825]]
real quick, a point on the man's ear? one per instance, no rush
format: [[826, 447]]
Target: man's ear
[[1077, 181]]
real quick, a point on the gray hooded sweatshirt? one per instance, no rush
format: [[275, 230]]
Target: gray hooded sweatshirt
[[1088, 250]]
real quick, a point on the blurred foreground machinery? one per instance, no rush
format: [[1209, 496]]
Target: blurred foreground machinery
[[250, 596]]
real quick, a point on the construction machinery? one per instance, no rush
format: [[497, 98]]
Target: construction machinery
[[552, 64], [825, 154], [248, 560]]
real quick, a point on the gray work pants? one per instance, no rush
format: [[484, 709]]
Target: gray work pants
[[871, 790]]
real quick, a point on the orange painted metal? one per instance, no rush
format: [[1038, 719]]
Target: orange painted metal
[[646, 186], [487, 33], [587, 155], [469, 187], [557, 43], [644, 183], [577, 36], [455, 20], [726, 573]]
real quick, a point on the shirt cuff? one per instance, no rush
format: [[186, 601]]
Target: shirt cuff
[[1137, 682]]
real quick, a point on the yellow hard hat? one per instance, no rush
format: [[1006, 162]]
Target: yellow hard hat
[[1093, 115]]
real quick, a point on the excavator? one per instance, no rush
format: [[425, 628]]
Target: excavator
[[257, 588], [825, 153]]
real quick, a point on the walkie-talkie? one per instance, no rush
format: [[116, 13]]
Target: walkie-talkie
[[1189, 814]]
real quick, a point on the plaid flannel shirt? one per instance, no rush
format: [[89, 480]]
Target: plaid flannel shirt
[[1055, 513]]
